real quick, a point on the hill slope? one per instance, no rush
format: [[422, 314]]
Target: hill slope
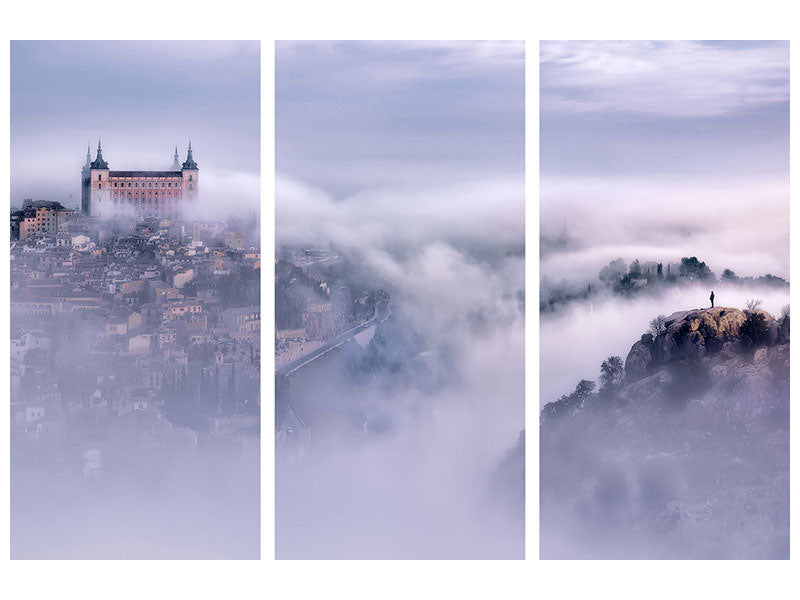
[[684, 455]]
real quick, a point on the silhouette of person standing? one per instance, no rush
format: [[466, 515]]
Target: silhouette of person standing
[[712, 298]]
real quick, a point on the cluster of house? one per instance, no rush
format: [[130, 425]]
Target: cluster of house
[[141, 333], [320, 319]]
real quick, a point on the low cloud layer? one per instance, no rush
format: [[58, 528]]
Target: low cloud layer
[[384, 217], [740, 225], [454, 410]]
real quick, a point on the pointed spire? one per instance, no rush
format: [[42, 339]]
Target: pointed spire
[[176, 162], [88, 154], [98, 162], [189, 163]]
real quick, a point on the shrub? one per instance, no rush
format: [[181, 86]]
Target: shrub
[[754, 331]]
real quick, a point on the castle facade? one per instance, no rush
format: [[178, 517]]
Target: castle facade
[[108, 194]]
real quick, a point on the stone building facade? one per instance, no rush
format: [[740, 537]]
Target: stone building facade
[[107, 194], [40, 217]]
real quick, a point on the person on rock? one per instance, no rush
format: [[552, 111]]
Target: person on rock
[[712, 298]]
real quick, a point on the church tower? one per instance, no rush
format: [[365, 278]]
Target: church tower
[[190, 173]]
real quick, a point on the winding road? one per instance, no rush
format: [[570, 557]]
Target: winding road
[[382, 312]]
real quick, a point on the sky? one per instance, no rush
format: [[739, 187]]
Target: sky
[[682, 147], [358, 115], [141, 98]]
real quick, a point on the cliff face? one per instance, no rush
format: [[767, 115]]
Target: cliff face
[[721, 363], [687, 457]]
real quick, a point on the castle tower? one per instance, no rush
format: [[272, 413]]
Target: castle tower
[[85, 181], [99, 193], [190, 174]]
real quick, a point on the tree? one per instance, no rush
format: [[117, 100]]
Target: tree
[[568, 405], [583, 390], [753, 304], [612, 372], [658, 326], [625, 285], [728, 275], [613, 271], [691, 268]]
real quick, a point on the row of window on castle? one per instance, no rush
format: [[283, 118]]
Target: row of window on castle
[[149, 184], [149, 199]]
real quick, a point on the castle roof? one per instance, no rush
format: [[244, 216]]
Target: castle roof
[[189, 162], [144, 174], [99, 163]]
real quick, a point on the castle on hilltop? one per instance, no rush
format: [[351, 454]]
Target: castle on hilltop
[[106, 193]]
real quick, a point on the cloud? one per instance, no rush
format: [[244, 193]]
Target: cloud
[[452, 259], [737, 224], [667, 79], [399, 62], [408, 158], [385, 217]]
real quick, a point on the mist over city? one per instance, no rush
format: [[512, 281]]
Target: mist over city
[[135, 300], [664, 300], [400, 300]]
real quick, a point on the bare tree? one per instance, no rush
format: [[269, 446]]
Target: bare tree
[[753, 304], [658, 326]]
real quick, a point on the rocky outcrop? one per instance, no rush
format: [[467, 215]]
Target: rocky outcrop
[[698, 334]]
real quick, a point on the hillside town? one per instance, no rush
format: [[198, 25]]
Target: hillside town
[[130, 336]]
